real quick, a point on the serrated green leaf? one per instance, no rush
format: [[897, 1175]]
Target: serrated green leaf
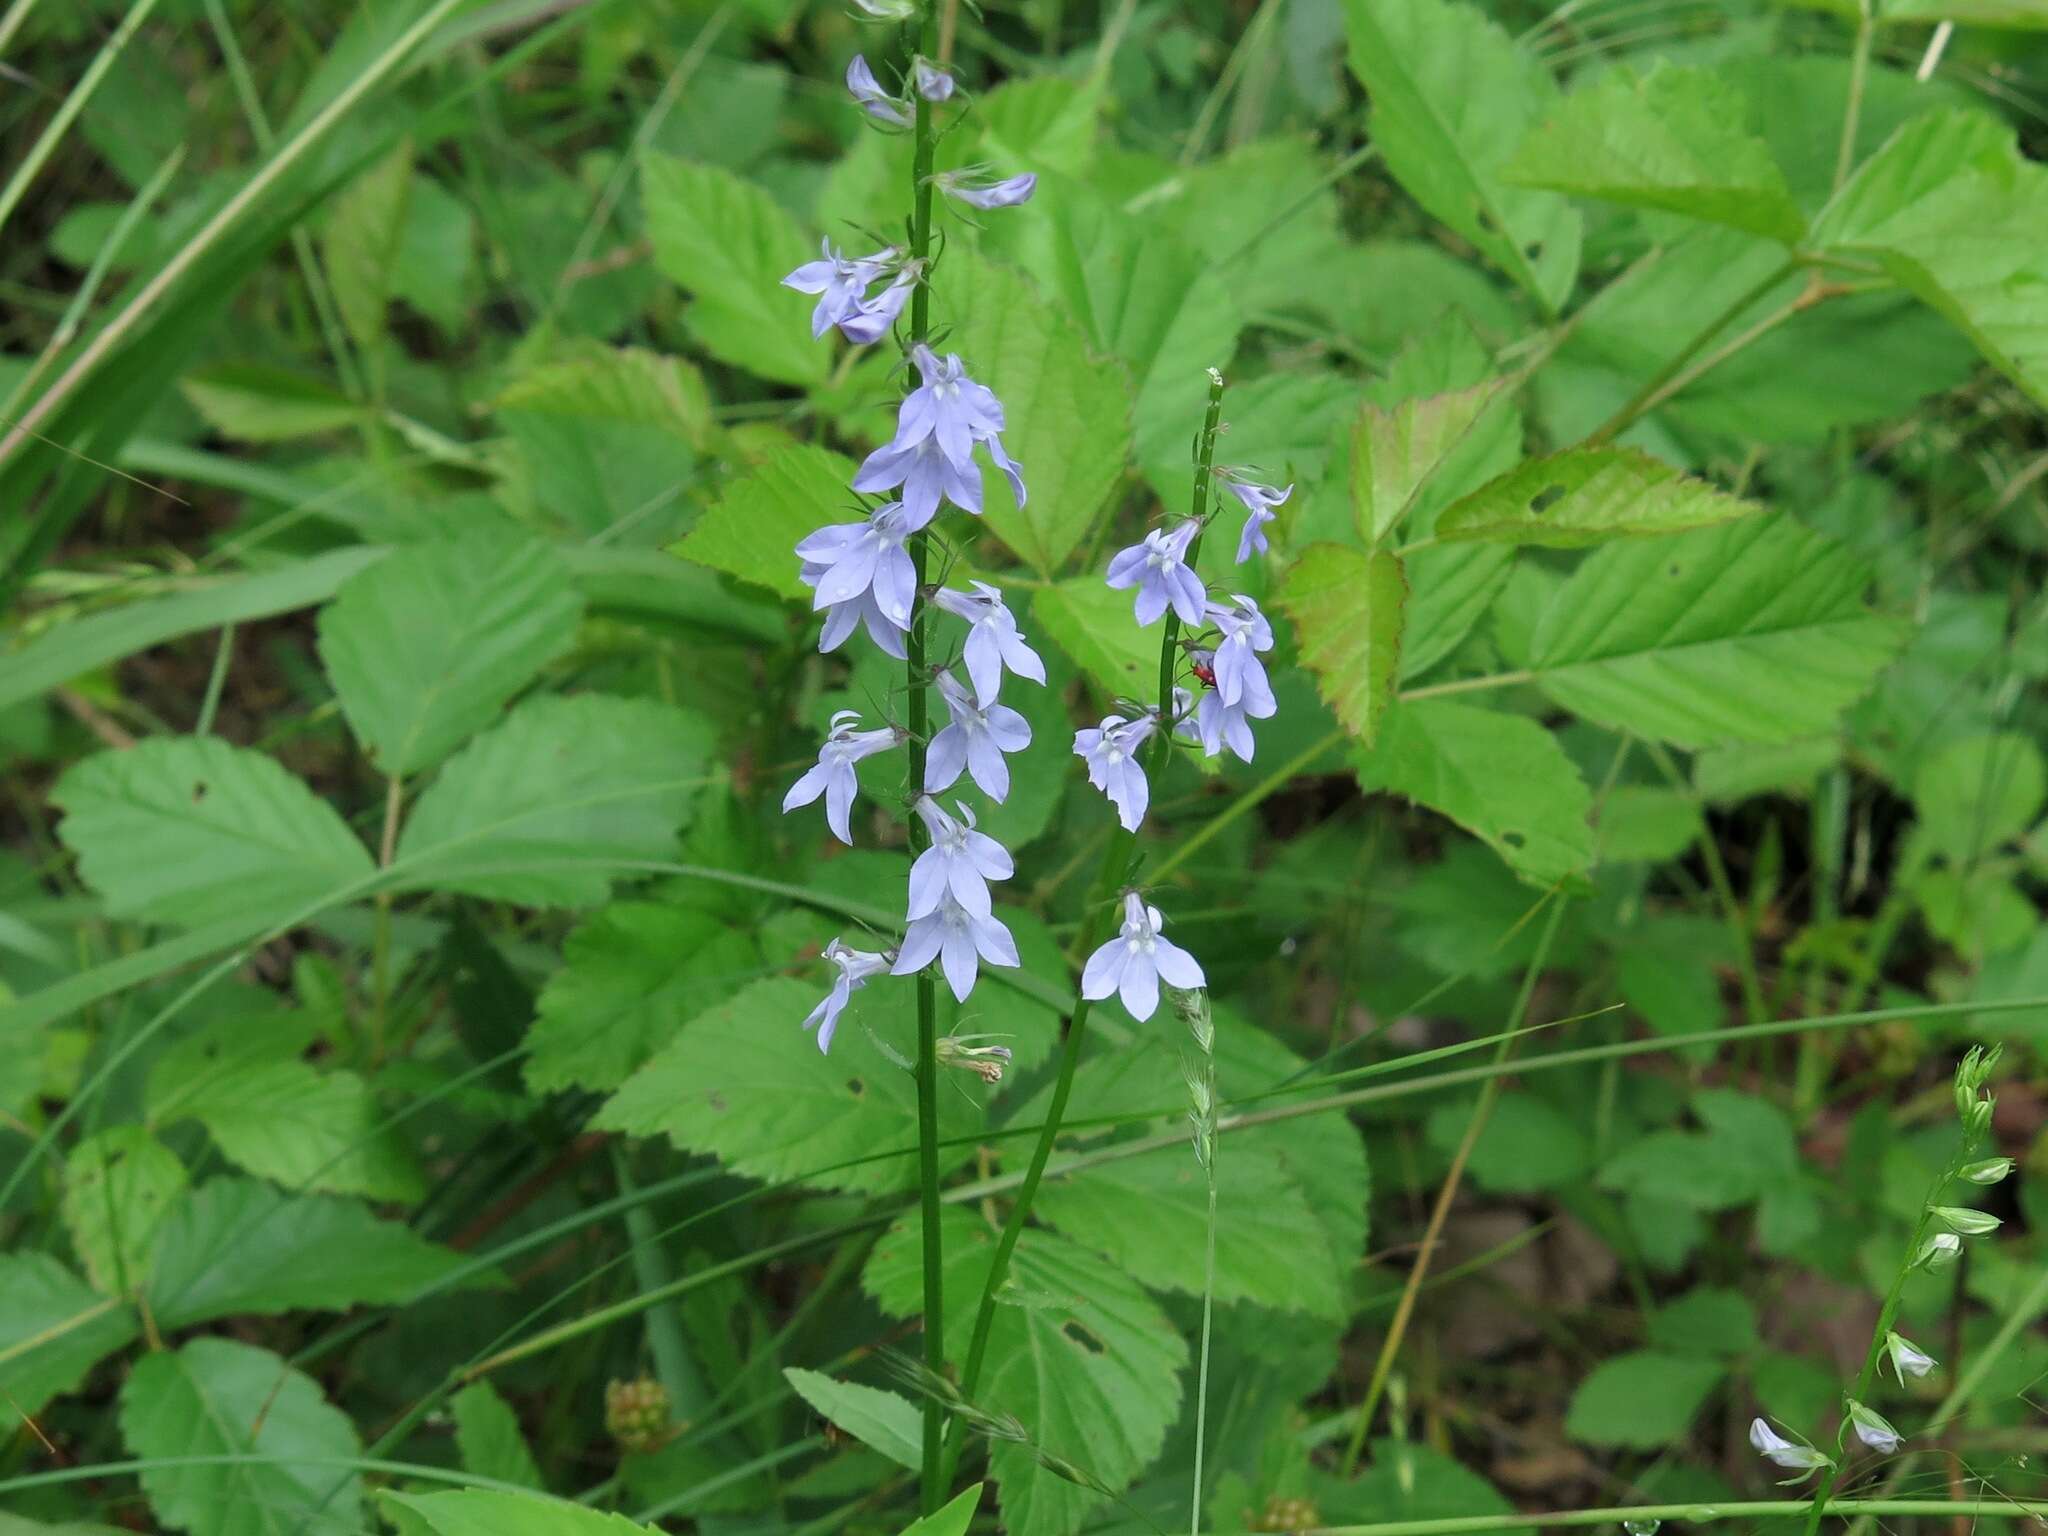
[[624, 384], [1083, 1358], [305, 1128], [427, 645], [730, 244], [1528, 1145], [1346, 607], [256, 404], [1977, 793], [54, 1329], [885, 1421], [1452, 99], [549, 806], [1501, 777], [1753, 631], [488, 1512], [1588, 496], [752, 532], [237, 1247], [1672, 139], [1643, 1400], [488, 1436], [189, 830], [1450, 588], [630, 978], [365, 223], [1959, 218], [1149, 1214], [1068, 412], [119, 1184], [1094, 625], [216, 1397], [1395, 451]]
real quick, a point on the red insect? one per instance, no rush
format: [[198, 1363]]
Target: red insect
[[1204, 668]]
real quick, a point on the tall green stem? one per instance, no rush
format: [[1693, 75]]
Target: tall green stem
[[918, 678], [1118, 861]]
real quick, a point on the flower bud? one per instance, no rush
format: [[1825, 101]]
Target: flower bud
[[636, 1414], [1907, 1358], [1872, 1428], [1990, 1171], [1960, 1218], [1939, 1251]]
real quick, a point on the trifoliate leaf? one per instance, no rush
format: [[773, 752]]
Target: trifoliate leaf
[[1346, 607], [1395, 451]]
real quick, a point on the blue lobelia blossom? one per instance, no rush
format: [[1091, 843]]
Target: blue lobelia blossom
[[1259, 501], [993, 641], [840, 282], [1137, 960], [959, 941], [977, 191], [1240, 675], [960, 863], [975, 741], [932, 454], [834, 776], [876, 102], [1111, 753], [1217, 724], [1158, 569], [871, 319], [860, 572], [855, 967], [932, 82]]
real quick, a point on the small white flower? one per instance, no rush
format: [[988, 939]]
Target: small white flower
[[855, 967], [1134, 962], [1907, 1358], [1873, 1429], [1786, 1453]]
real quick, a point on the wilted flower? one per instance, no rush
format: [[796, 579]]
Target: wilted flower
[[1158, 569], [1907, 1358], [1939, 1251], [855, 967], [977, 191], [855, 558], [1134, 962], [975, 741], [959, 941], [993, 642], [878, 103], [841, 284], [1259, 501], [1786, 1453], [1872, 1428], [932, 454], [1240, 676], [834, 776], [932, 82], [984, 1061], [1111, 752], [870, 320], [959, 864]]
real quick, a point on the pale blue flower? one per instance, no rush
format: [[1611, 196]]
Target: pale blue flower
[[862, 569], [878, 103], [840, 282], [993, 641], [1111, 752], [1218, 725], [1786, 1453], [976, 191], [1873, 1428], [932, 455], [1158, 569], [1240, 675], [975, 742], [1907, 1358], [871, 318], [932, 82], [1137, 960], [961, 861], [834, 776], [959, 941], [1259, 500], [855, 967]]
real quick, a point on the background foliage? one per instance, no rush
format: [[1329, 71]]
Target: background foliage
[[401, 955]]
